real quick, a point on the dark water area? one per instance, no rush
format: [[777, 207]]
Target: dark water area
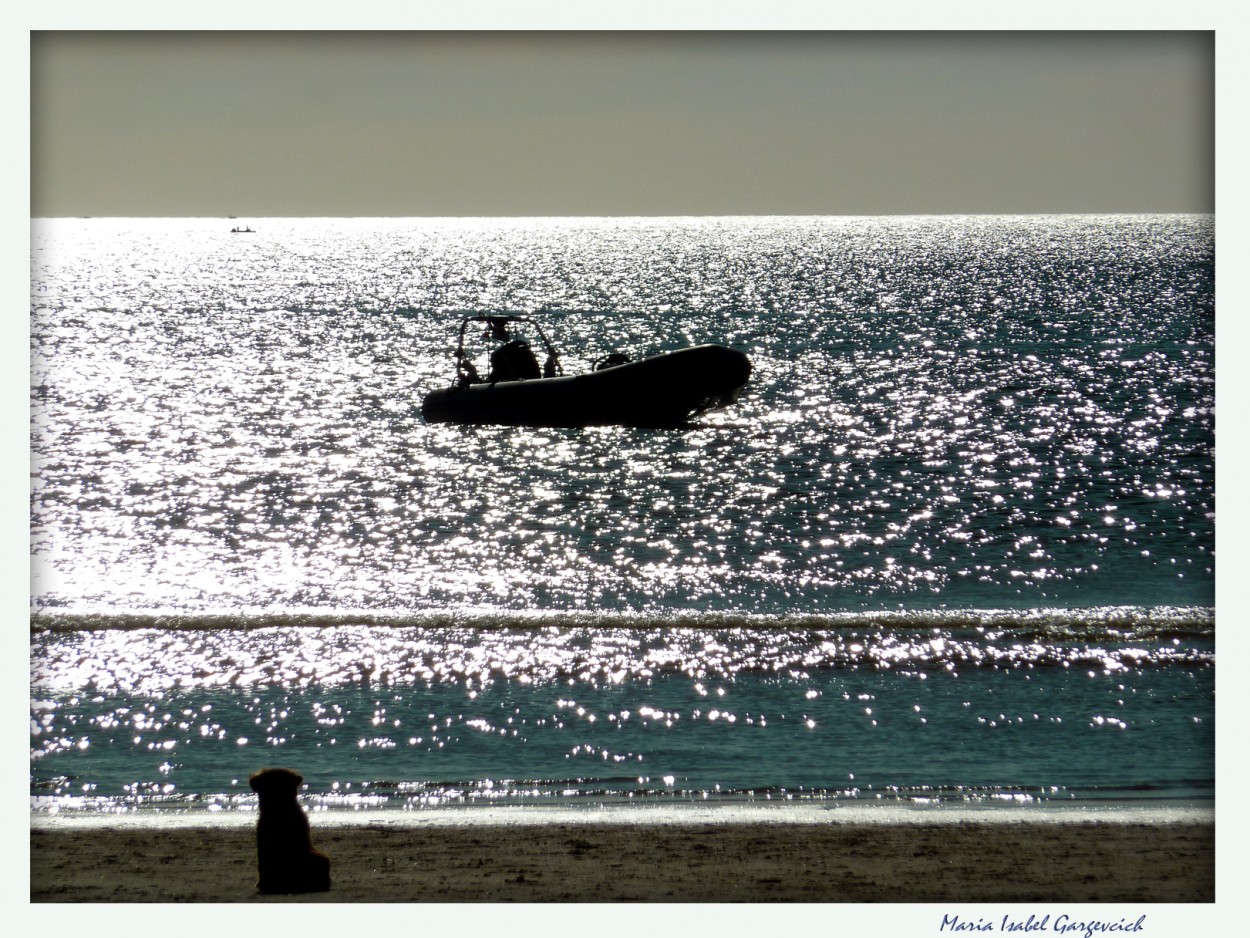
[[413, 717]]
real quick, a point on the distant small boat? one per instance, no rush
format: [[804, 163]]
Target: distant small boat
[[248, 230], [664, 390]]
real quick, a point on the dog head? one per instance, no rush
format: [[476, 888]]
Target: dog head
[[279, 782]]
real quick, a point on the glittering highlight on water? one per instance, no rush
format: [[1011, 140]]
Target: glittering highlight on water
[[955, 541]]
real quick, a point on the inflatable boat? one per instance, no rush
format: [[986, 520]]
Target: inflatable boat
[[664, 390]]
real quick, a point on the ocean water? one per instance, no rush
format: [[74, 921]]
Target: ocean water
[[954, 544]]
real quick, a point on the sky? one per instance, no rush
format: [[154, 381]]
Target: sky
[[444, 123]]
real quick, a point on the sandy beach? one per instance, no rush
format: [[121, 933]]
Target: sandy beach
[[938, 858]]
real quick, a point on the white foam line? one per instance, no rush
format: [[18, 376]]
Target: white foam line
[[520, 816]]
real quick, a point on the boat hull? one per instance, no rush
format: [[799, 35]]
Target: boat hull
[[662, 391]]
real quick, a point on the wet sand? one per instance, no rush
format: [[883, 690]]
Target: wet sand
[[962, 859]]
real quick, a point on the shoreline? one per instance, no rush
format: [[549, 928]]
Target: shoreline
[[1111, 811], [695, 855]]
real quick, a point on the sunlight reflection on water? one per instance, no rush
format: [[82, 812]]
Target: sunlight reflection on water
[[901, 567], [931, 416]]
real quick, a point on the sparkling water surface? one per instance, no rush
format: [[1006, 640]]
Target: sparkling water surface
[[954, 541]]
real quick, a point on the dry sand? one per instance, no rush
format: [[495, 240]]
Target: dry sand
[[963, 859]]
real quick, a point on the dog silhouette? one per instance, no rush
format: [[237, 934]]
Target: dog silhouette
[[288, 863]]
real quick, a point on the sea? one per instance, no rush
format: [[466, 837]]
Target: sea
[[952, 547]]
